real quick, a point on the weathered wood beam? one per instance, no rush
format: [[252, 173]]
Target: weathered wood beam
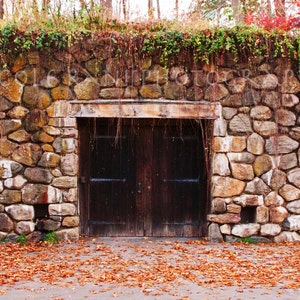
[[145, 109]]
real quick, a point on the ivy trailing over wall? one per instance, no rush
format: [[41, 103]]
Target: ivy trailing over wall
[[160, 41]]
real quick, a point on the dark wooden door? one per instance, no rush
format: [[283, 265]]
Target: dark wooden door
[[142, 178]]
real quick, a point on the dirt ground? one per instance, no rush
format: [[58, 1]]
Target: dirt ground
[[149, 268]]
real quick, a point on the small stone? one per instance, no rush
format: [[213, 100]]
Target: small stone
[[262, 214], [65, 182], [294, 177], [35, 120], [20, 136], [248, 200], [257, 186], [275, 178], [9, 168], [71, 195], [40, 194], [237, 85], [61, 92], [8, 126], [157, 75], [36, 97], [229, 112], [245, 230], [232, 101], [218, 205], [220, 164], [295, 133], [18, 112], [289, 192], [226, 186], [64, 209], [234, 208], [71, 234], [292, 223], [131, 92], [69, 164], [265, 128], [174, 91], [48, 225], [11, 89], [214, 233], [255, 144], [71, 221], [273, 199], [28, 154], [24, 227], [289, 100], [38, 175], [278, 214], [227, 218], [151, 91], [270, 229], [6, 224], [225, 229], [111, 93], [17, 182], [10, 197], [240, 123], [49, 160], [216, 92], [7, 147], [107, 81], [262, 164], [242, 171], [290, 85], [242, 157], [264, 82], [64, 145], [20, 212], [288, 161], [87, 90], [261, 112], [285, 117], [294, 207], [287, 237], [49, 82], [229, 144]]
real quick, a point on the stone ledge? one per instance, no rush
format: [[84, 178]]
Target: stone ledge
[[145, 108]]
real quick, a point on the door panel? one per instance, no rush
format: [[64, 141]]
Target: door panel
[[144, 177]]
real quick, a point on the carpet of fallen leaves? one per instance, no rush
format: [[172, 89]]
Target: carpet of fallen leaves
[[146, 263]]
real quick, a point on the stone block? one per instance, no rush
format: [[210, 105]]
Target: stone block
[[111, 93], [64, 145], [9, 168], [255, 144], [288, 161], [218, 205], [49, 160], [294, 207], [89, 88], [48, 225], [245, 230], [234, 208], [214, 233], [285, 117], [28, 154], [225, 229], [65, 182], [242, 171], [242, 157], [278, 214], [151, 91], [294, 177], [240, 123], [274, 199], [59, 109], [226, 186], [248, 200], [220, 127], [287, 237], [10, 196], [71, 221], [216, 92], [20, 212], [71, 234], [289, 192], [264, 82], [24, 227], [69, 164], [257, 186], [64, 209], [229, 144], [265, 128], [6, 224], [227, 218], [262, 164], [281, 144], [38, 175], [270, 229], [220, 164], [41, 194], [262, 215], [261, 112]]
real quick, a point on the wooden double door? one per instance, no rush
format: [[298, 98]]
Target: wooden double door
[[142, 177]]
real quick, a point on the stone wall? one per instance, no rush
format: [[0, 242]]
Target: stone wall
[[255, 161]]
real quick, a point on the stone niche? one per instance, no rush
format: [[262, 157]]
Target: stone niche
[[255, 161]]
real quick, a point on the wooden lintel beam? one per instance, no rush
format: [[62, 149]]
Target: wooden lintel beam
[[145, 109]]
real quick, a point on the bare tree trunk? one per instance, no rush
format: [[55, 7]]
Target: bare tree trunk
[[124, 9], [280, 7], [150, 9], [158, 9], [107, 5], [1, 9], [237, 11], [176, 9]]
